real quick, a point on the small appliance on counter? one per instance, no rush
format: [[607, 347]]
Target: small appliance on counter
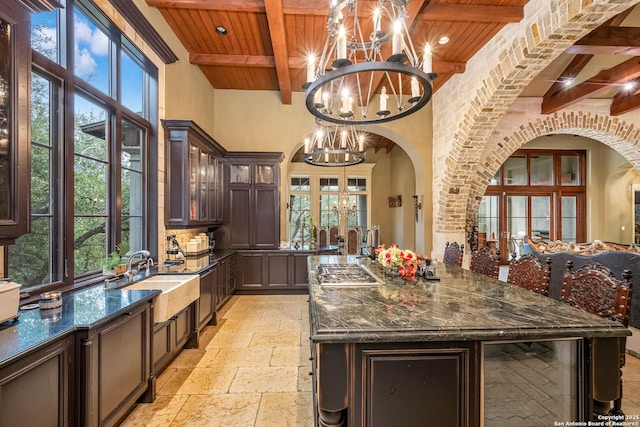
[[173, 249], [9, 300]]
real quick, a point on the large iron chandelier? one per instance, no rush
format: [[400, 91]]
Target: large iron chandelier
[[334, 145], [362, 55]]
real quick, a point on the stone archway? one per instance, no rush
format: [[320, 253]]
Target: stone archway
[[517, 54], [590, 120]]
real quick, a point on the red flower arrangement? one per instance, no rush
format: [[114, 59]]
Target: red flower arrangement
[[404, 260]]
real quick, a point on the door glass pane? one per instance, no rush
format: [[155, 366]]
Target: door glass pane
[[328, 217], [193, 181], [91, 52], [300, 214], [90, 186], [488, 218], [570, 174], [516, 218], [569, 219], [44, 34], [535, 383], [264, 174], [541, 217], [239, 174], [497, 178], [133, 197], [328, 184], [515, 170], [541, 170]]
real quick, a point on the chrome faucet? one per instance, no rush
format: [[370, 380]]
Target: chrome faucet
[[144, 255]]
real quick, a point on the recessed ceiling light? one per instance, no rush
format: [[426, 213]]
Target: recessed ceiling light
[[443, 40], [568, 82], [221, 30], [629, 86]]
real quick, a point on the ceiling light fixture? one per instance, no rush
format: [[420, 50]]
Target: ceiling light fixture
[[443, 40], [629, 86], [352, 68], [334, 145], [221, 30]]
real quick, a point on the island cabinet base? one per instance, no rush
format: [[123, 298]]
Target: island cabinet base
[[396, 384]]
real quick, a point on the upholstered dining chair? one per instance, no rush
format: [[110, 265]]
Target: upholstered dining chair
[[453, 254], [594, 289], [529, 273], [485, 262]]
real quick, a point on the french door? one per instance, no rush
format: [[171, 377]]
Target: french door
[[508, 217]]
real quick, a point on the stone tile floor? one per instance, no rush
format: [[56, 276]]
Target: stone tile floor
[[252, 369]]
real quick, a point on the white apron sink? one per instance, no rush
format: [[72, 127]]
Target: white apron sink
[[178, 291]]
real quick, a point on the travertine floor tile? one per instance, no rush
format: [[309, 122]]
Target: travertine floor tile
[[251, 326], [224, 410], [208, 380], [304, 378], [285, 410], [265, 380], [275, 339], [171, 381], [160, 413], [189, 358], [236, 357], [230, 339], [291, 356]]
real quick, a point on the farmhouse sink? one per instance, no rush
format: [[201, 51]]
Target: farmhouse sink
[[178, 291]]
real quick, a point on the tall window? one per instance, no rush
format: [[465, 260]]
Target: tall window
[[93, 148], [537, 193], [299, 207]]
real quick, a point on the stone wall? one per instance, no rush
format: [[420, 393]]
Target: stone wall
[[468, 108]]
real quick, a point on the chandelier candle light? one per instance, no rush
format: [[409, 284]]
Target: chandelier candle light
[[352, 69], [334, 145]]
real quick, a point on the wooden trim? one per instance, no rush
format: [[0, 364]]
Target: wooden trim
[[474, 13], [143, 27]]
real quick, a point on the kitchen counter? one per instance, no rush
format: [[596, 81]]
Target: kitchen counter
[[463, 350], [462, 305], [80, 310]]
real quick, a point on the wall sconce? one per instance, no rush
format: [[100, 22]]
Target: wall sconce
[[417, 206]]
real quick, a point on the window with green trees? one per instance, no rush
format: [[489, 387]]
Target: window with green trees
[[93, 115]]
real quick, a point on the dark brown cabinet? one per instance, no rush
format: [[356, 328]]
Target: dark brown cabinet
[[170, 337], [114, 367], [15, 140], [207, 308], [195, 183], [254, 200], [273, 270], [46, 376]]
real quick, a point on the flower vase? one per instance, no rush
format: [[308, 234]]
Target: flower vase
[[391, 271]]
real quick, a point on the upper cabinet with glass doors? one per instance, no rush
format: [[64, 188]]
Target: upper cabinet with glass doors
[[15, 60], [194, 187]]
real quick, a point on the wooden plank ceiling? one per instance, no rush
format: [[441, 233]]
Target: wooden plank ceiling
[[267, 43]]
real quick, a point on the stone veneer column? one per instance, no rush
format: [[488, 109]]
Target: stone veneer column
[[469, 106]]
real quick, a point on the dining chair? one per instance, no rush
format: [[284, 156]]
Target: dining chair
[[453, 254], [594, 289], [485, 262], [529, 273]]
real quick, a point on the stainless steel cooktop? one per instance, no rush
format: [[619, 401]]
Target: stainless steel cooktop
[[345, 275]]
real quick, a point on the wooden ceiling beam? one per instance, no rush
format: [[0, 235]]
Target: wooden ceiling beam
[[471, 13], [609, 41], [621, 73], [228, 5], [214, 59], [625, 104], [296, 62], [275, 18], [570, 72]]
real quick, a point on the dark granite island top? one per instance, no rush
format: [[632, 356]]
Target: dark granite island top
[[400, 353], [462, 305]]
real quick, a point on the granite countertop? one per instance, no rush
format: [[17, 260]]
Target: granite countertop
[[82, 309], [462, 305]]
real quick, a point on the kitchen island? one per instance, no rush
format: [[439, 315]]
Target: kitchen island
[[465, 350]]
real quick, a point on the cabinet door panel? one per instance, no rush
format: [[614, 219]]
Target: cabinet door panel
[[122, 364], [250, 271], [267, 221], [240, 212], [300, 275], [206, 300], [278, 272]]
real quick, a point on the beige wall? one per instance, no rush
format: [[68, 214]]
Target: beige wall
[[257, 120]]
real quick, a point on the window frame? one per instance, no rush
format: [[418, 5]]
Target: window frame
[[117, 112]]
